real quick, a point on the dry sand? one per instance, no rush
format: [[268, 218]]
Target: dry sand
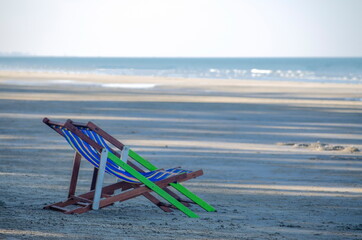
[[253, 139]]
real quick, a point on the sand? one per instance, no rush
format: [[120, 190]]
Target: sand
[[268, 151]]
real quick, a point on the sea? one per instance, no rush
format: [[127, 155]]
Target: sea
[[328, 70]]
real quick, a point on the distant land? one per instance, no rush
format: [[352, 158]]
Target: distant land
[[15, 54]]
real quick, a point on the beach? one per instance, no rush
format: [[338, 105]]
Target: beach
[[281, 160]]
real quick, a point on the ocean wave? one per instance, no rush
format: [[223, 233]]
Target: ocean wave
[[302, 70]]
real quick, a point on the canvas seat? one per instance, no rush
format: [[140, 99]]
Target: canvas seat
[[93, 157]]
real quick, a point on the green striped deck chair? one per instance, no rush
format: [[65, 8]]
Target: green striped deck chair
[[136, 176]]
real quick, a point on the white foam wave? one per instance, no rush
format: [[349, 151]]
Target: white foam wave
[[261, 71], [78, 83], [129, 85], [23, 83], [63, 81]]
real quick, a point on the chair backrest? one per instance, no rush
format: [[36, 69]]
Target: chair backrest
[[84, 139], [86, 142]]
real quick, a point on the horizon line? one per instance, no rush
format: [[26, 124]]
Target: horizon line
[[180, 57]]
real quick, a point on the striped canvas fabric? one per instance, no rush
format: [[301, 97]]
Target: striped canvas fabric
[[93, 156]]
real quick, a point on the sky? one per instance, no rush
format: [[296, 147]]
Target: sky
[[183, 28]]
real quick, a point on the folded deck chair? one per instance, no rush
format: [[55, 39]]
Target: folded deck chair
[[92, 143]]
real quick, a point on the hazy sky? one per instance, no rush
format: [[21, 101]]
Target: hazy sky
[[183, 28]]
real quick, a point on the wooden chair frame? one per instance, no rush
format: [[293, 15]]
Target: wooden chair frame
[[99, 196]]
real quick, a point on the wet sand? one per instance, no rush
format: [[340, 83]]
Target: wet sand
[[281, 160]]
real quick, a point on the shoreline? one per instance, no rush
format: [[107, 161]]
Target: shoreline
[[207, 88], [106, 78]]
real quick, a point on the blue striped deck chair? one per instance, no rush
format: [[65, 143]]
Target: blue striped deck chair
[[136, 176]]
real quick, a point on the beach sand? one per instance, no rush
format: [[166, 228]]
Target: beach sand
[[281, 160]]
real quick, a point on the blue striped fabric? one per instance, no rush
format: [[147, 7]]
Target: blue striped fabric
[[93, 156]]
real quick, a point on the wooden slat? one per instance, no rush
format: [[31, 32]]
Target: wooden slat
[[61, 209], [77, 198], [82, 204]]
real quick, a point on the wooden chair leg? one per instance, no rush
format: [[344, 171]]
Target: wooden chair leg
[[94, 179], [75, 172]]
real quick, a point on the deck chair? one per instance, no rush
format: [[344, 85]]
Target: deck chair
[[98, 147]]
